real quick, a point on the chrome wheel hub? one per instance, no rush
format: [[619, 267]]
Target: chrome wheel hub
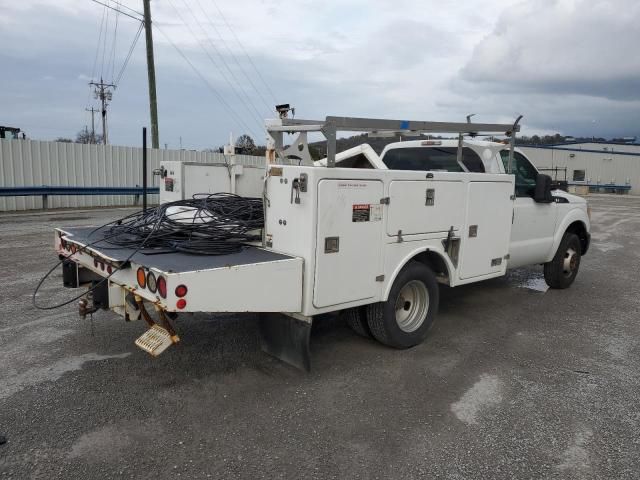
[[570, 262], [412, 306]]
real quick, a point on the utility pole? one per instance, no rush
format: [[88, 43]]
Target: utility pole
[[93, 123], [104, 93], [151, 73]]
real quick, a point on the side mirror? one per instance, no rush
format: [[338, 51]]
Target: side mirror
[[542, 192]]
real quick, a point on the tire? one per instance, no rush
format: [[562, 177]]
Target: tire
[[404, 320], [563, 269], [356, 318]]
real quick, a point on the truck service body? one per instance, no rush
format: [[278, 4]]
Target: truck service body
[[356, 232]]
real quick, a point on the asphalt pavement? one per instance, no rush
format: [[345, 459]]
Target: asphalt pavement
[[514, 381]]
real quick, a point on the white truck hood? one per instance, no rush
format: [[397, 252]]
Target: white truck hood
[[570, 197]]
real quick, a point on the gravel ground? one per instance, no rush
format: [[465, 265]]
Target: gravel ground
[[513, 382]]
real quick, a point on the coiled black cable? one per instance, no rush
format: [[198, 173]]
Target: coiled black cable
[[215, 224]]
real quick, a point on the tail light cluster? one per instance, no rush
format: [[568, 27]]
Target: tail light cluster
[[68, 246], [98, 263], [147, 279]]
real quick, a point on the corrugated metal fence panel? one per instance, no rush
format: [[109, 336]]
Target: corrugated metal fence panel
[[36, 163], [602, 167]]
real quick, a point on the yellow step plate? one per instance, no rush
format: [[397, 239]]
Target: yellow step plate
[[155, 340]]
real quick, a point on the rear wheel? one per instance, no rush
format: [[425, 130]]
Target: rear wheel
[[563, 269], [405, 318], [356, 318]]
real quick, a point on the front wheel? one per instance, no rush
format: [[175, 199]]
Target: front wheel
[[563, 269], [405, 318]]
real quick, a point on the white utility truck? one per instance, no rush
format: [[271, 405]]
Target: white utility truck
[[368, 235]]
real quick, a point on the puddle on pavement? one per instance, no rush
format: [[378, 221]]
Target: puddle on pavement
[[532, 280]]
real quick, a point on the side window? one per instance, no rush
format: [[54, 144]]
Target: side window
[[525, 173], [472, 161], [432, 158], [578, 175]]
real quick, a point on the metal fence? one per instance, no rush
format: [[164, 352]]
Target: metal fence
[[32, 163]]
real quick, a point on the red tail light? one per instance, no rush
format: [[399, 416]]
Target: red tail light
[[162, 287], [181, 303], [181, 290]]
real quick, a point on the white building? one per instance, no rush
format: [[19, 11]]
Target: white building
[[605, 166]]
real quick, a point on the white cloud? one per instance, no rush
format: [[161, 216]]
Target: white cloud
[[562, 46], [562, 63]]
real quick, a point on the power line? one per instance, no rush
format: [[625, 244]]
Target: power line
[[235, 58], [245, 52], [95, 60], [224, 62], [128, 57], [232, 112], [104, 43], [113, 44], [224, 76], [120, 11]]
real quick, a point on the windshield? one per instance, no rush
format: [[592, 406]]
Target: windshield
[[430, 158]]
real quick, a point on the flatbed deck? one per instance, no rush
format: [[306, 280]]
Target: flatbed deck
[[167, 261]]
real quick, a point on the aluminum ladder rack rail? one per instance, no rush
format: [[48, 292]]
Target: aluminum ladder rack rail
[[331, 125]]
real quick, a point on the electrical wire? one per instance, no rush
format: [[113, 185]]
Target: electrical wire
[[235, 58], [93, 287], [139, 18], [216, 224], [220, 224], [245, 52], [104, 40], [114, 43], [236, 80], [213, 90], [233, 86], [128, 57], [95, 60]]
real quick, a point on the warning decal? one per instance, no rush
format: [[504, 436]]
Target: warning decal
[[361, 212]]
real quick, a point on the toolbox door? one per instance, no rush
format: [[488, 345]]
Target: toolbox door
[[485, 242], [425, 206], [349, 241]]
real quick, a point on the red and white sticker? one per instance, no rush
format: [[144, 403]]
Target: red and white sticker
[[365, 212]]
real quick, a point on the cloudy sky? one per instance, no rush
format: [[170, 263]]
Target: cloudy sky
[[570, 66]]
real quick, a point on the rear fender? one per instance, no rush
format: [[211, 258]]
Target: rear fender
[[432, 252]]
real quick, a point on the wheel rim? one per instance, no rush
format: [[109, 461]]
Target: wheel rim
[[412, 306], [570, 262]]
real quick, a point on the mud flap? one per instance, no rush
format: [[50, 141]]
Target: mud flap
[[286, 338]]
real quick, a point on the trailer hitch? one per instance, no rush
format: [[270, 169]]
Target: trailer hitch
[[84, 309]]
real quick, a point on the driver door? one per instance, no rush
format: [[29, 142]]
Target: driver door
[[534, 224]]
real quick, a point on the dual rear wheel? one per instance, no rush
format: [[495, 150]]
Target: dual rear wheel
[[404, 320]]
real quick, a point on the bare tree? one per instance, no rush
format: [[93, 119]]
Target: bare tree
[[84, 136], [245, 145]]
